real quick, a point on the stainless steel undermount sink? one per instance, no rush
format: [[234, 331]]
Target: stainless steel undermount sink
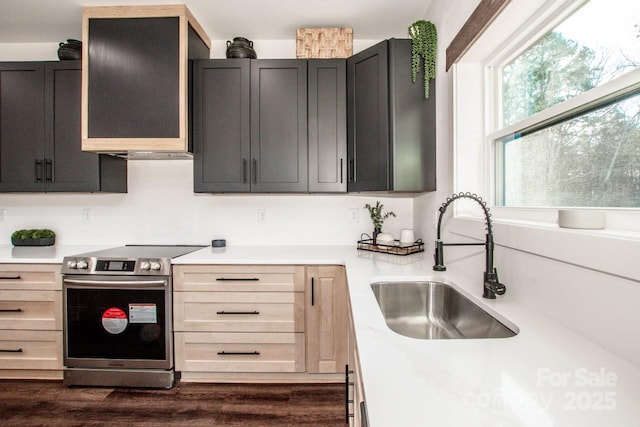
[[434, 310]]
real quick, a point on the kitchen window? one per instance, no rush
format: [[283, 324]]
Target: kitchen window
[[546, 112], [568, 116]]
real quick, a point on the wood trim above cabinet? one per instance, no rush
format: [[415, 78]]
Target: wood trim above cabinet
[[480, 19], [121, 145]]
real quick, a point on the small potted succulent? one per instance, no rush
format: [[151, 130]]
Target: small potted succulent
[[33, 237], [378, 217]]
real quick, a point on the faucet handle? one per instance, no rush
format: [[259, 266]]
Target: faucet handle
[[438, 257], [493, 283]]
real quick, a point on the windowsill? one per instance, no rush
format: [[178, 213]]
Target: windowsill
[[610, 251]]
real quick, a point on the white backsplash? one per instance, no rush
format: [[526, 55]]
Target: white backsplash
[[161, 207]]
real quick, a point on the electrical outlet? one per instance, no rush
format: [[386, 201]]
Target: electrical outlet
[[354, 214], [262, 216], [87, 216], [436, 213], [3, 215]]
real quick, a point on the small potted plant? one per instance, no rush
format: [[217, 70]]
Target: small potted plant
[[377, 217], [33, 237]]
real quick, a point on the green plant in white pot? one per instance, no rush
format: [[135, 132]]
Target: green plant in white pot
[[378, 217]]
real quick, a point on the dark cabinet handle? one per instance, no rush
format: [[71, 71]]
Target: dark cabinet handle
[[38, 170], [10, 278], [48, 170], [17, 350], [239, 353], [237, 279], [313, 293], [341, 170], [254, 171], [11, 310], [237, 312], [244, 171], [347, 401], [352, 172]]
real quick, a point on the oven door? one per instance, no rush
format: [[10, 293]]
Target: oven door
[[117, 322]]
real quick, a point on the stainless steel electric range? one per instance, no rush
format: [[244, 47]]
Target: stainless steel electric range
[[118, 328]]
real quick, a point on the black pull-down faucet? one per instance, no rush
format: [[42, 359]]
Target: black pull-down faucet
[[492, 285]]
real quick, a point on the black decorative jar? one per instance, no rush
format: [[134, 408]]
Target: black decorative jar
[[240, 48], [70, 50]]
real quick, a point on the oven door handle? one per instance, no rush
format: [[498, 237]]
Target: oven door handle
[[118, 283]]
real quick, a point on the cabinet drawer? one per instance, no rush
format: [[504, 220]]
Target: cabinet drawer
[[233, 352], [30, 350], [40, 310], [238, 278], [25, 277], [239, 311]]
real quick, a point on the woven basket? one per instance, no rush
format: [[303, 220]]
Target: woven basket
[[324, 42]]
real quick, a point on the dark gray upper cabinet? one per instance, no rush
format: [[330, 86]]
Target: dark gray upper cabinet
[[221, 128], [391, 127], [40, 133], [21, 126], [279, 125], [327, 91], [250, 125]]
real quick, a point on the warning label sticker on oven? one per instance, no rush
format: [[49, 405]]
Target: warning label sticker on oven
[[143, 313], [114, 320]]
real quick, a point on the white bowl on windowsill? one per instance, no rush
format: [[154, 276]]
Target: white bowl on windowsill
[[586, 219]]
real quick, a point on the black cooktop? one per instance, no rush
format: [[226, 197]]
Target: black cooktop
[[144, 251]]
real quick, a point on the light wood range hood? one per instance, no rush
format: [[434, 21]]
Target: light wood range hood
[[135, 79]]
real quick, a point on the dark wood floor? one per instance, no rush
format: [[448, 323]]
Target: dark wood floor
[[49, 403]]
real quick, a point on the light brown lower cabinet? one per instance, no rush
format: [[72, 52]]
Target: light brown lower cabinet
[[30, 321], [327, 322], [242, 323], [239, 352]]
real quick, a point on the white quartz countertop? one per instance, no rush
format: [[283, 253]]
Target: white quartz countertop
[[546, 376]]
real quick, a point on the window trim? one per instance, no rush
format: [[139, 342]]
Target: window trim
[[625, 85]]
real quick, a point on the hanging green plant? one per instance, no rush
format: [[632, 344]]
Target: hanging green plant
[[424, 41]]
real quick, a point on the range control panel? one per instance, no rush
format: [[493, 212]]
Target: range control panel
[[138, 266]]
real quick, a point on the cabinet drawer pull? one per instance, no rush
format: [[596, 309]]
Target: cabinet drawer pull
[[237, 279], [313, 292], [10, 277], [17, 350], [11, 310], [237, 312], [238, 353], [341, 170]]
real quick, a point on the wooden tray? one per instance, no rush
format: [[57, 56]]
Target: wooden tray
[[397, 249]]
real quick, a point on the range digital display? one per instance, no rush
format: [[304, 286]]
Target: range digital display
[[114, 265]]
